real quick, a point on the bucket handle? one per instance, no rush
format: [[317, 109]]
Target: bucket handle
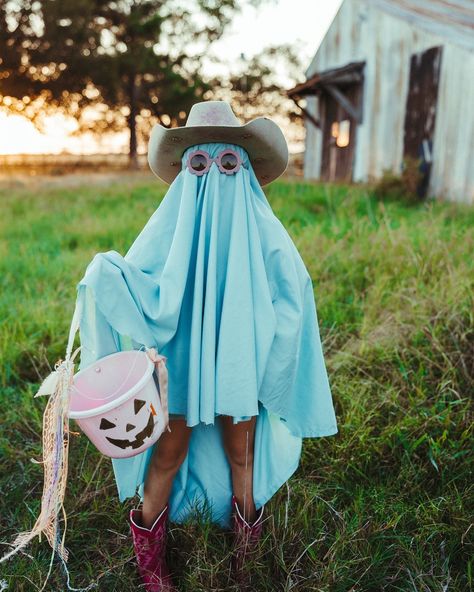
[[112, 395], [76, 319]]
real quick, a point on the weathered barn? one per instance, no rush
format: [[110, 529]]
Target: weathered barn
[[394, 79]]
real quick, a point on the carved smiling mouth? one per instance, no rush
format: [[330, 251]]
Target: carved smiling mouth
[[139, 440]]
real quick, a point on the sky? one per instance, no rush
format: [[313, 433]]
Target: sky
[[302, 23]]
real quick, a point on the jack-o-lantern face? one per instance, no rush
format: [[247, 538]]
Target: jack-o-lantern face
[[140, 436]]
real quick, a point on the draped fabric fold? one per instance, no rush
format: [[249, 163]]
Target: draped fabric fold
[[215, 283]]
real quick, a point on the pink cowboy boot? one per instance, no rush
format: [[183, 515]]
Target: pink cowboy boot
[[150, 548], [245, 538]]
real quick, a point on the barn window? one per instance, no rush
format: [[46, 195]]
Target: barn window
[[344, 132], [341, 132]]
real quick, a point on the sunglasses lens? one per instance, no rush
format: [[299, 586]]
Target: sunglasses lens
[[198, 163], [229, 161]]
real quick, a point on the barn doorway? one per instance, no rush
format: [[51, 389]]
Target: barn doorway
[[420, 115], [339, 134], [339, 93]]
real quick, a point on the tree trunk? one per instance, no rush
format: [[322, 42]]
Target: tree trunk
[[132, 121]]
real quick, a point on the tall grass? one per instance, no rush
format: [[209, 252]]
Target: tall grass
[[386, 504]]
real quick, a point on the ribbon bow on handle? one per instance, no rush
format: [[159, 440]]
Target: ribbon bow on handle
[[162, 372]]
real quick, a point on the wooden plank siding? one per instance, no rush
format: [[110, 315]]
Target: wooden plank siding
[[363, 31]]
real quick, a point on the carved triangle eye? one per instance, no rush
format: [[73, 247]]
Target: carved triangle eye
[[138, 404], [105, 424]]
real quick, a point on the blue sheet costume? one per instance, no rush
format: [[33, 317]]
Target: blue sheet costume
[[216, 284]]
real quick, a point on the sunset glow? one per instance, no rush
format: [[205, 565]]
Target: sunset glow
[[18, 135]]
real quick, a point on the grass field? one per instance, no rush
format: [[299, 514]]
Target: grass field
[[385, 505]]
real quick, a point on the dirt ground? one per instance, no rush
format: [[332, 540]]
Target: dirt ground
[[17, 180]]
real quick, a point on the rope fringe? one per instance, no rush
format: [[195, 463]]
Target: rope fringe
[[55, 460]]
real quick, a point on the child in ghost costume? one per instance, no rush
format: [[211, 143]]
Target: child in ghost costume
[[214, 283]]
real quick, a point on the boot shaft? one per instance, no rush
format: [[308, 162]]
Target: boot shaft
[[150, 549], [246, 537]]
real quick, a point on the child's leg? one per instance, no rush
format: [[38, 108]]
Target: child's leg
[[170, 451], [238, 445]]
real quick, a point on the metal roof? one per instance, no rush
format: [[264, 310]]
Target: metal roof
[[453, 19], [348, 74]]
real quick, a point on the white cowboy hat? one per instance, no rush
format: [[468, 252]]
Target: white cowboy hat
[[214, 121]]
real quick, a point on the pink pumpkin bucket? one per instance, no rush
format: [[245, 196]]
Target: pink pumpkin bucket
[[116, 402]]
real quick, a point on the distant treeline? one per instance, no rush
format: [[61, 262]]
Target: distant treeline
[[59, 164]]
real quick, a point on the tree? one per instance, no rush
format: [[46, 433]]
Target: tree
[[256, 87], [129, 59]]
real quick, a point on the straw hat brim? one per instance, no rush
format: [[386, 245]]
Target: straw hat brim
[[261, 138]]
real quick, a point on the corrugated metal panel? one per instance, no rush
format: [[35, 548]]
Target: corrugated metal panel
[[452, 19], [361, 32]]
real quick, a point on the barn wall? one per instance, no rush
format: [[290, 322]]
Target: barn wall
[[453, 145], [361, 31]]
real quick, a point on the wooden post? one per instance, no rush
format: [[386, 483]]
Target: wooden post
[[353, 111], [306, 113]]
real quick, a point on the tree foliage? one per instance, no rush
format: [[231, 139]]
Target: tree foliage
[[113, 64], [132, 58], [256, 86]]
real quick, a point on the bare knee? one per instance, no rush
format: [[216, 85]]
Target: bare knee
[[239, 454], [169, 460], [171, 450], [239, 442]]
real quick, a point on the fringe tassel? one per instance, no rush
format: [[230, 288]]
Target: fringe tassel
[[55, 460]]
